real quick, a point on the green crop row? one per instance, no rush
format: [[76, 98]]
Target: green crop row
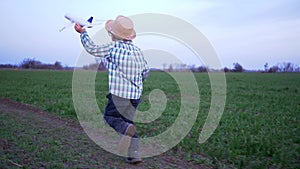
[[259, 127]]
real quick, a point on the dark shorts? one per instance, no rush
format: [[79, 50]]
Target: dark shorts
[[119, 112]]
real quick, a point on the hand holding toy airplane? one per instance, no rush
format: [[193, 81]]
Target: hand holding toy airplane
[[88, 23]]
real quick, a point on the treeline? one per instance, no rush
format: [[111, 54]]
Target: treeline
[[95, 66], [282, 67], [237, 67], [35, 64]]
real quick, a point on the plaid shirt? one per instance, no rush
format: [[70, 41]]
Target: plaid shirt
[[127, 68]]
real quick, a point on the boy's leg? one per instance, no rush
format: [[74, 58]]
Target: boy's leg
[[133, 150], [129, 140], [126, 139], [114, 118], [116, 110], [133, 154]]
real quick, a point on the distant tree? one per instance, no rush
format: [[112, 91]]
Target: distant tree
[[193, 68], [57, 65], [92, 66], [30, 63], [226, 69], [101, 66], [170, 69], [202, 69], [286, 67], [9, 66], [266, 67], [95, 66], [183, 67], [165, 66], [273, 69], [176, 66], [34, 64], [237, 67]]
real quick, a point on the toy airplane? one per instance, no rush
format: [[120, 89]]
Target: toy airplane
[[88, 23]]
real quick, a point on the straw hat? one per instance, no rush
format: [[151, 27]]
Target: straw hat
[[122, 28]]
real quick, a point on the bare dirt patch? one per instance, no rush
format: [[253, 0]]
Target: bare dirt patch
[[31, 138]]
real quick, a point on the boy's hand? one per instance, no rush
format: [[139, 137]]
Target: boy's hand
[[79, 28]]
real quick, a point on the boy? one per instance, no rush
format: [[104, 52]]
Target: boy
[[127, 69]]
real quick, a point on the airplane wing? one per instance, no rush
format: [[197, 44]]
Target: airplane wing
[[66, 26]]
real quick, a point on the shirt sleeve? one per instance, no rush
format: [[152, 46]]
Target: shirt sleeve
[[146, 70], [91, 48]]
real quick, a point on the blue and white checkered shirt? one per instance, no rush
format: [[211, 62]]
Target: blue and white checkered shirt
[[127, 67]]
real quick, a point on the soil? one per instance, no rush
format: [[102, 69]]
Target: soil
[[68, 138]]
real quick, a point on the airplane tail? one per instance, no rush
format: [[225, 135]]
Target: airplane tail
[[90, 20]]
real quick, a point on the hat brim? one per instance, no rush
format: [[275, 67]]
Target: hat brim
[[108, 25], [109, 29]]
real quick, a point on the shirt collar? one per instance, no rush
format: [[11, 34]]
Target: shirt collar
[[125, 41]]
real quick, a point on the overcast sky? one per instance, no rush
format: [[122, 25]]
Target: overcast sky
[[251, 32]]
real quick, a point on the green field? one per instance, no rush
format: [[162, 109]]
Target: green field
[[259, 127]]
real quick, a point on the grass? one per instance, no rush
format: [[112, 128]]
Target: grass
[[259, 127]]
